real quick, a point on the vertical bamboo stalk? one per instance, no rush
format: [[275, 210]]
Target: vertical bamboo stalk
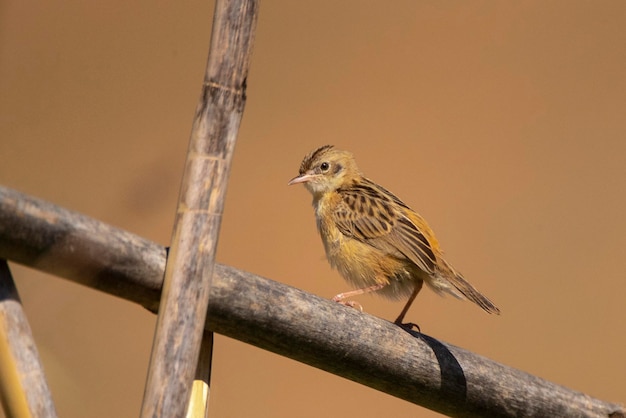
[[189, 268], [199, 402], [23, 388]]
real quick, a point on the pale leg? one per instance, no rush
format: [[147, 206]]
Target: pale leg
[[340, 297]]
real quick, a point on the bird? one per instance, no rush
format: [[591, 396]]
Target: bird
[[373, 239]]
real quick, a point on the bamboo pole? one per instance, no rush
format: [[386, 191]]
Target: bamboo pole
[[290, 322], [199, 402], [189, 269], [23, 388]]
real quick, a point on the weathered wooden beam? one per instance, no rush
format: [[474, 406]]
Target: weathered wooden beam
[[288, 321], [189, 269], [23, 388], [70, 245]]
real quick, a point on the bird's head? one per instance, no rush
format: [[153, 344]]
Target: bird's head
[[326, 169]]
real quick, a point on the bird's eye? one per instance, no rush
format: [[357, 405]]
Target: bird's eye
[[324, 166]]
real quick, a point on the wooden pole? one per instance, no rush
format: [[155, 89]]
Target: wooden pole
[[189, 269], [23, 388], [290, 322], [199, 402]]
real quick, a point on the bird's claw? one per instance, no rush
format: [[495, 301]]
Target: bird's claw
[[409, 326], [351, 303]]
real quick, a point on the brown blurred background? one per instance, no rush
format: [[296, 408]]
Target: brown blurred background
[[504, 124]]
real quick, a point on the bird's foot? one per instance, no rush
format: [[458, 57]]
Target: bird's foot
[[351, 303], [408, 326]]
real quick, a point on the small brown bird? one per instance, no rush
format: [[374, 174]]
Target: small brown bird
[[375, 241]]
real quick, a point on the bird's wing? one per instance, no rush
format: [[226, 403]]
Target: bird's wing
[[374, 216]]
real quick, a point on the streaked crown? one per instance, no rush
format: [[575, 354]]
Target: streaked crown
[[313, 156], [326, 169]]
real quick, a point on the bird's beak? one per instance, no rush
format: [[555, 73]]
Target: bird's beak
[[302, 178]]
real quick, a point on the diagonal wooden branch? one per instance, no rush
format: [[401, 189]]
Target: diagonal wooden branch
[[287, 321], [188, 273], [23, 387]]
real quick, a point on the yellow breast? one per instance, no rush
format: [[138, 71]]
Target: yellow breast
[[359, 263]]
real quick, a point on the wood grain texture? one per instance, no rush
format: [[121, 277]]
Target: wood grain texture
[[290, 322], [52, 239], [189, 268], [23, 387]]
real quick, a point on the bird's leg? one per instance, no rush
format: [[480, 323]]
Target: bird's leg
[[409, 325], [351, 303]]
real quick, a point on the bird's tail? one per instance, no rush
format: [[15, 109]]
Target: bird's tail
[[449, 281]]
